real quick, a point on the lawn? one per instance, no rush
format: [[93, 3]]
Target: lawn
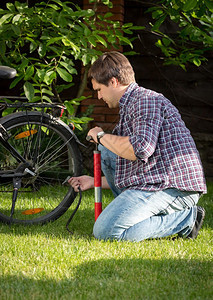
[[46, 262]]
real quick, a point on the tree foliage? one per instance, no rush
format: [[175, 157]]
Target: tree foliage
[[194, 37], [45, 42]]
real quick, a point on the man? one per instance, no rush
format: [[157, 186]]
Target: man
[[150, 161]]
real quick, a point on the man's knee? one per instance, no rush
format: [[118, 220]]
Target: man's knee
[[107, 230], [99, 231]]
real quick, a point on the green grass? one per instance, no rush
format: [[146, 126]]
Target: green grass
[[46, 262]]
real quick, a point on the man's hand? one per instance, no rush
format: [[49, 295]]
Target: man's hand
[[93, 133], [84, 182]]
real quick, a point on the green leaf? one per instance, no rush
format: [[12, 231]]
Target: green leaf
[[127, 25], [87, 32], [69, 67], [125, 40], [108, 3], [159, 22], [16, 18], [108, 15], [64, 74], [55, 50], [209, 4], [16, 29], [157, 13], [55, 7], [21, 7], [197, 62], [101, 40], [166, 41], [76, 101], [24, 63], [92, 40], [111, 39], [16, 80], [62, 87], [10, 7], [69, 43], [29, 73], [49, 77], [44, 97], [36, 98], [33, 46], [69, 107], [53, 40], [29, 90], [48, 92], [127, 31], [5, 18], [62, 21], [78, 126], [137, 27], [189, 5], [86, 59], [42, 50]]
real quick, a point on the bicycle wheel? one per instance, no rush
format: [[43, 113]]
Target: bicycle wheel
[[52, 152]]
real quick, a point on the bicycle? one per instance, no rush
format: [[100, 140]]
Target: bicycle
[[37, 153]]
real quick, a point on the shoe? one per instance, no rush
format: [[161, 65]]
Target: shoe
[[198, 223]]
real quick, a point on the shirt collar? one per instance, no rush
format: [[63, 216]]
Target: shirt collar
[[127, 93]]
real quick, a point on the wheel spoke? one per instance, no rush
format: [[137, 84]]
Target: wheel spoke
[[52, 156]]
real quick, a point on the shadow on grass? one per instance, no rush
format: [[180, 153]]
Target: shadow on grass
[[118, 279]]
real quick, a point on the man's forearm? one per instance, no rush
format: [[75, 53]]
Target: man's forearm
[[119, 145]]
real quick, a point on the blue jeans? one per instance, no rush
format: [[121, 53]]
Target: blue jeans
[[135, 215]]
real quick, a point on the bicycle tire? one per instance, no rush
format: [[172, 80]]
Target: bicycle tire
[[41, 198]]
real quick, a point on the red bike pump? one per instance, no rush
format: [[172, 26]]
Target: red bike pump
[[97, 179], [97, 182]]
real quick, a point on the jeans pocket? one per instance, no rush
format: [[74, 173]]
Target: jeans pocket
[[181, 202], [185, 202]]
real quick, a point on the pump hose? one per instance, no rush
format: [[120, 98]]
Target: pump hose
[[75, 210]]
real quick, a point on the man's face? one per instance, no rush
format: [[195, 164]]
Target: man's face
[[107, 93]]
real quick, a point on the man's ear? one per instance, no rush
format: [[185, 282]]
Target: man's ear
[[114, 81]]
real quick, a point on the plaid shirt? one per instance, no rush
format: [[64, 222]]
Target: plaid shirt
[[166, 153]]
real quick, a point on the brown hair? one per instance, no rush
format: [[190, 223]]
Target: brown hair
[[111, 64]]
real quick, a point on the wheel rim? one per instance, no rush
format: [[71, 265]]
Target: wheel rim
[[42, 195]]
